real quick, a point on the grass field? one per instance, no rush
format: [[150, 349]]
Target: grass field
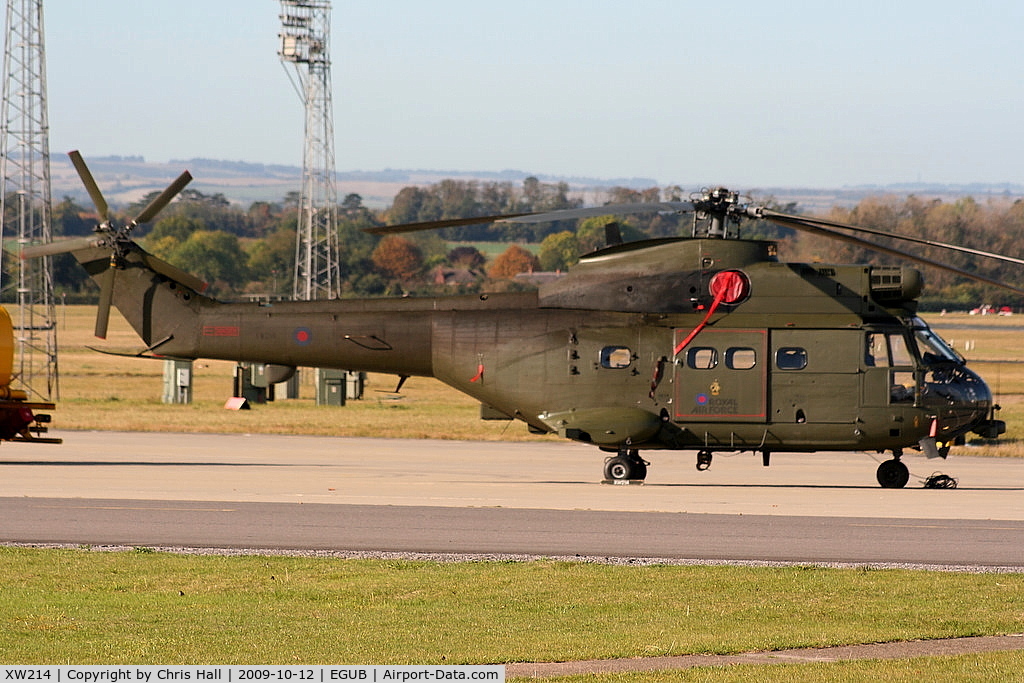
[[77, 606]]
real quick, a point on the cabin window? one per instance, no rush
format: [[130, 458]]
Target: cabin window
[[887, 350], [791, 358], [616, 357], [702, 358], [740, 358]]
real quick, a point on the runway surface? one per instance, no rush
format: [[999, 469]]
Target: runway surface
[[345, 494]]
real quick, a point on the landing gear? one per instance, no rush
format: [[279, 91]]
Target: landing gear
[[704, 460], [627, 465], [893, 474]]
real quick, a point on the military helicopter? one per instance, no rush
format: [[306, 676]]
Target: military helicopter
[[707, 343]]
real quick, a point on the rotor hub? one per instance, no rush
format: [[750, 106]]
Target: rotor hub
[[717, 213]]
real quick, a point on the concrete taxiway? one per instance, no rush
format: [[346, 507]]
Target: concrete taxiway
[[499, 497], [556, 476]]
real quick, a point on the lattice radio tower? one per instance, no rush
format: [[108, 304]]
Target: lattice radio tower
[[25, 198], [305, 44]]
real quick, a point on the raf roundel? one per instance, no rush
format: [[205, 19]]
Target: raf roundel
[[302, 336]]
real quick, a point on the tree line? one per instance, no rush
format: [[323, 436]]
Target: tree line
[[251, 251]]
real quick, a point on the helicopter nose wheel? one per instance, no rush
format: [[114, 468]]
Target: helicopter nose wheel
[[893, 474], [626, 466]]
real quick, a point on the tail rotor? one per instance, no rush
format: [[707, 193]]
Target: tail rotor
[[117, 239]]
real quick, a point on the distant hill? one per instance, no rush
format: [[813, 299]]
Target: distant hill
[[125, 179]]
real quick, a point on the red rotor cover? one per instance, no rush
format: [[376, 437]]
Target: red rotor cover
[[729, 286]]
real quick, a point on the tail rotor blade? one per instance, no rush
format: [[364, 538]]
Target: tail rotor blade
[[106, 297], [164, 199], [90, 184]]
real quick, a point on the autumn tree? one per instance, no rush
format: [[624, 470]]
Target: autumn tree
[[398, 257], [513, 261]]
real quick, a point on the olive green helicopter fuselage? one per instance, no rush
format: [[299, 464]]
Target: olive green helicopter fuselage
[[629, 350], [707, 343]]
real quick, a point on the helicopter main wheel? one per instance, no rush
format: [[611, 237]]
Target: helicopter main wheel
[[627, 465], [704, 460], [893, 474]]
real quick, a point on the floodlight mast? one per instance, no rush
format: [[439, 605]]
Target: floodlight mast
[[25, 200], [305, 44]]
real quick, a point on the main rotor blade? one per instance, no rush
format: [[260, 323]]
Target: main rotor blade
[[437, 225], [106, 296], [163, 199], [813, 226], [90, 184], [60, 247], [605, 210], [540, 216], [772, 215]]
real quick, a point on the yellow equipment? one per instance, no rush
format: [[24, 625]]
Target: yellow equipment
[[18, 421]]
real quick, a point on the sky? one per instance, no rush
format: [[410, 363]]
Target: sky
[[746, 93]]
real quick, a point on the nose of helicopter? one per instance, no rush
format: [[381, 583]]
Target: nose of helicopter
[[961, 401]]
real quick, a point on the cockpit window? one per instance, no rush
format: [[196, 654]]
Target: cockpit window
[[934, 348], [900, 352]]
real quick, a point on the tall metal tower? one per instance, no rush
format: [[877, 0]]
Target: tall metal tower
[[25, 197], [305, 44]]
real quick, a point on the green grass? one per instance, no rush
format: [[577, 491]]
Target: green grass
[[80, 606]]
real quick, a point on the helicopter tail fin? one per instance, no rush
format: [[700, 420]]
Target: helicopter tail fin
[[160, 301]]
